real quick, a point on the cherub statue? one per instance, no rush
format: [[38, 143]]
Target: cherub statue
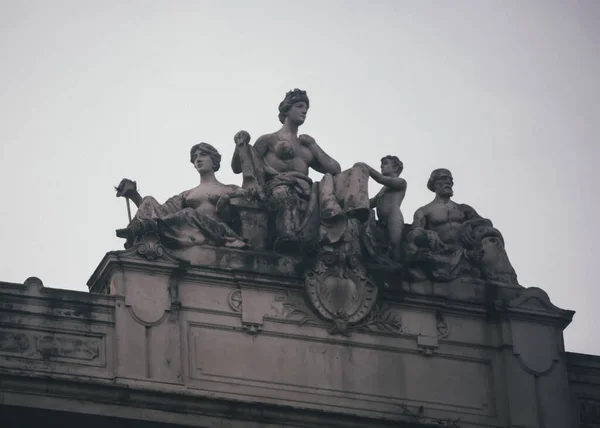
[[388, 200]]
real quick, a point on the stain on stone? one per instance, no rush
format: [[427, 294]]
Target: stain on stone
[[13, 342]]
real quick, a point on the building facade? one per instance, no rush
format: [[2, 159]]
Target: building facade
[[159, 343]]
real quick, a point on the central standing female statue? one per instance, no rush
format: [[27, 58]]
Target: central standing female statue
[[285, 159]]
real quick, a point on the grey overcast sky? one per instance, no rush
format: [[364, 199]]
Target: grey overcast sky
[[504, 93]]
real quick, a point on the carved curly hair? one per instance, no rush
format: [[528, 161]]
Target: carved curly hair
[[206, 148], [291, 98], [395, 161], [436, 174]]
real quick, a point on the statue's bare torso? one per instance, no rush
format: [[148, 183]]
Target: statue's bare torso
[[203, 198], [388, 205], [445, 218], [285, 153]]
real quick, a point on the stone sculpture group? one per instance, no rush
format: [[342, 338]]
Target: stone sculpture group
[[347, 242]]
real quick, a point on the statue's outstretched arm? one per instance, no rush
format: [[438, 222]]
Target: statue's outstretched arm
[[396, 183]]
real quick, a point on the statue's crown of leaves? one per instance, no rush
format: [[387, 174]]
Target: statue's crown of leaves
[[295, 96]]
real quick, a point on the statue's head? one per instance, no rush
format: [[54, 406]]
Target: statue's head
[[294, 107], [391, 166], [441, 182], [205, 157]]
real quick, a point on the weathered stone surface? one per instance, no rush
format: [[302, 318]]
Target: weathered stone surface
[[584, 380], [322, 221], [55, 332], [194, 217], [383, 236], [277, 166], [237, 336], [279, 210], [291, 303], [448, 240]]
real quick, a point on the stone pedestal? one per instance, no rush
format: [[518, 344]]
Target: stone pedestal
[[253, 222], [194, 345], [484, 355]]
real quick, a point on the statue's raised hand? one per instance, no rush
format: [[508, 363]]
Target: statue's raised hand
[[127, 189], [306, 140], [241, 138]]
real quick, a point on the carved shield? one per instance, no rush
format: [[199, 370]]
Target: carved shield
[[339, 289]]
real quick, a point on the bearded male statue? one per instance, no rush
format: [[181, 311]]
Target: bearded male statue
[[448, 240]]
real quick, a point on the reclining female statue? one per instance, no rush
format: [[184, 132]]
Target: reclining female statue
[[194, 217]]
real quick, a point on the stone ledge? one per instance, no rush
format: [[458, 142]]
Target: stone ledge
[[271, 269], [177, 405], [218, 260]]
